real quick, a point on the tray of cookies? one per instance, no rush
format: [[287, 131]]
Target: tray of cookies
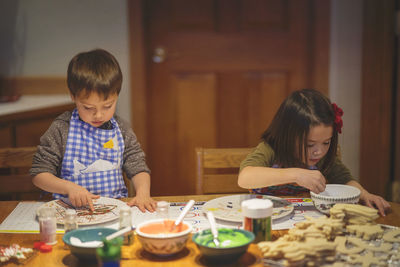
[[349, 237]]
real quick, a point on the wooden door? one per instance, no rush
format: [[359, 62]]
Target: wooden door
[[217, 72], [378, 161]]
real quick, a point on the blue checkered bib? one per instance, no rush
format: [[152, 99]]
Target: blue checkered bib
[[93, 158]]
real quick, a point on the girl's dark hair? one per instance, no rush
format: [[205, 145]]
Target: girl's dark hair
[[288, 132], [94, 71]]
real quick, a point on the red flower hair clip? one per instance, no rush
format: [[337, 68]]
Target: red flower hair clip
[[338, 117]]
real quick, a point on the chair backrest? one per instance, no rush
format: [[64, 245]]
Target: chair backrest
[[14, 177], [15, 180], [218, 168]]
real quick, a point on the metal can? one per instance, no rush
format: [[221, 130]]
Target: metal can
[[257, 218]]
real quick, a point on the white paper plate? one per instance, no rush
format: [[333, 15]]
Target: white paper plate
[[229, 208], [106, 210]]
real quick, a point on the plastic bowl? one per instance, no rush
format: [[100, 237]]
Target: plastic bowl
[[85, 235], [204, 242], [333, 194], [164, 244]]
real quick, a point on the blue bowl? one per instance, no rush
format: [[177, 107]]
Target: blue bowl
[[222, 254], [85, 235]]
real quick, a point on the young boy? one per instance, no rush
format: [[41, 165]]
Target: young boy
[[84, 152]]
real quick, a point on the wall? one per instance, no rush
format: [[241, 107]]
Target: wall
[[345, 75], [43, 35]]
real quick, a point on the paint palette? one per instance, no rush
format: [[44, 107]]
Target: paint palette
[[229, 208]]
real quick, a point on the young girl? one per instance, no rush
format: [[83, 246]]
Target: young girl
[[298, 151]]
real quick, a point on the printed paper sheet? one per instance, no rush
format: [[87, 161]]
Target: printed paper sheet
[[23, 218]]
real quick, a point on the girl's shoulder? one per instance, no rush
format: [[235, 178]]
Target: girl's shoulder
[[263, 155], [264, 148]]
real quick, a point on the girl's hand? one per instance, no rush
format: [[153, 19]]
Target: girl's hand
[[79, 196], [143, 203], [374, 201], [310, 179]]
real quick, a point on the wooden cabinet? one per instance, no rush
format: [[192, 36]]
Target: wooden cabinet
[[24, 129]]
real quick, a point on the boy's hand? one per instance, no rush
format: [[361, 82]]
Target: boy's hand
[[79, 196], [143, 203]]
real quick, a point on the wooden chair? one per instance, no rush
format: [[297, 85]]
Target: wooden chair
[[15, 181], [217, 170]]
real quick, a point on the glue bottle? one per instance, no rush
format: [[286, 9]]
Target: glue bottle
[[125, 220], [70, 220], [48, 225], [257, 218], [162, 210]]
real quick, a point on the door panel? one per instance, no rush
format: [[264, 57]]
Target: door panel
[[227, 67]]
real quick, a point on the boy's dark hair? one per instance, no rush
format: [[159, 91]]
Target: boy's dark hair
[[288, 132], [94, 71]]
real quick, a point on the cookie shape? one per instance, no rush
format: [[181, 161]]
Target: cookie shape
[[392, 236], [383, 247], [354, 213], [16, 252], [367, 232], [367, 260], [343, 246], [322, 227]]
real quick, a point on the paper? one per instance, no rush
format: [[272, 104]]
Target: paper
[[23, 218]]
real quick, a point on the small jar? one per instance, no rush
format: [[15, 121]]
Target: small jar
[[70, 220], [257, 218], [162, 210], [109, 255], [48, 225], [125, 220]]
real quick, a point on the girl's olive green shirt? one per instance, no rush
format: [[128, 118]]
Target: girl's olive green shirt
[[264, 156]]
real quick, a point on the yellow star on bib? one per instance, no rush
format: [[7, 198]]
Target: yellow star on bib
[[109, 144]]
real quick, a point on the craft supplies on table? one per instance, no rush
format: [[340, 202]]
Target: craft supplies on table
[[23, 218]]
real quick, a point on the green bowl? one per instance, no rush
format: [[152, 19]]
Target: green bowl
[[85, 235], [207, 248]]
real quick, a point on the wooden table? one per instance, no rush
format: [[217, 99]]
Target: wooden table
[[190, 256]]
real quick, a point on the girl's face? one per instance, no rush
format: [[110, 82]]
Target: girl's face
[[93, 109], [318, 142]]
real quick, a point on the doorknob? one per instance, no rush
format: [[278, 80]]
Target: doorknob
[[159, 55]]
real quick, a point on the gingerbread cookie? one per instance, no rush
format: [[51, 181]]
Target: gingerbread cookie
[[366, 232], [367, 260], [392, 236]]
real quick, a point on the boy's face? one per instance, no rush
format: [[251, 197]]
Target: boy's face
[[94, 109]]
